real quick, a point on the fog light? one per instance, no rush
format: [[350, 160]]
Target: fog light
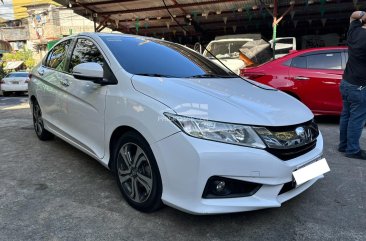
[[222, 187], [219, 188]]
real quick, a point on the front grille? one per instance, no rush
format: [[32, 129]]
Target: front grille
[[287, 154], [295, 148]]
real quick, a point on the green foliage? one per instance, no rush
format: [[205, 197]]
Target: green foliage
[[2, 72], [25, 55]]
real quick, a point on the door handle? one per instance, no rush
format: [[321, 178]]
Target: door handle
[[41, 72], [65, 83], [301, 78]]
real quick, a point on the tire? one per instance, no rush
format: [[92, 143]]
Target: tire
[[41, 132], [137, 173], [6, 94]]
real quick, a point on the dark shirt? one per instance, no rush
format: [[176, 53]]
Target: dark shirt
[[355, 72]]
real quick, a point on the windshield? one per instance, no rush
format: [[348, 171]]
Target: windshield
[[18, 74], [224, 49], [153, 57]]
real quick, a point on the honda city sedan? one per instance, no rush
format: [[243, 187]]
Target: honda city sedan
[[312, 76], [174, 127]]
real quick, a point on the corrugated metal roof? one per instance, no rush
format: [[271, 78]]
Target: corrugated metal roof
[[151, 16]]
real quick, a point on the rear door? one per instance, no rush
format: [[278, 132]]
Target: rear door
[[318, 77], [84, 101]]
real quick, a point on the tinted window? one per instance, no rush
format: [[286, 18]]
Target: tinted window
[[299, 62], [155, 57], [56, 59], [85, 51], [325, 61], [288, 62], [23, 74]]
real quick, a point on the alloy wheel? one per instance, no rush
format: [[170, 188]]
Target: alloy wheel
[[37, 119], [135, 172]]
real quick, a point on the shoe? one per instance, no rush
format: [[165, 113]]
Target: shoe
[[341, 150], [358, 155]]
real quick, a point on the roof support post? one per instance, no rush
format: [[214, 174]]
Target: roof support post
[[95, 24], [274, 25], [276, 21], [102, 25]]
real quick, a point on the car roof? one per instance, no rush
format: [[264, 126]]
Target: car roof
[[92, 34], [310, 50], [303, 52]]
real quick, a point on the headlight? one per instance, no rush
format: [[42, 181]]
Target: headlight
[[217, 131]]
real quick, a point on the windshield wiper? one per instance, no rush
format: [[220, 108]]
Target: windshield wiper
[[156, 75], [212, 76]]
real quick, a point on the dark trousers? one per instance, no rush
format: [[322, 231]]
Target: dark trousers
[[353, 116]]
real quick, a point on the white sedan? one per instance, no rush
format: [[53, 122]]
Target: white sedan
[[14, 82], [175, 128]]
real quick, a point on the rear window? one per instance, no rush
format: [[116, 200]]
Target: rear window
[[18, 74], [157, 57]]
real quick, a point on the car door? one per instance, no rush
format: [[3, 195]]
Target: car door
[[318, 78], [84, 101], [49, 88]]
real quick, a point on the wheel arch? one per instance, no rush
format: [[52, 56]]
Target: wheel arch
[[33, 99], [116, 134]]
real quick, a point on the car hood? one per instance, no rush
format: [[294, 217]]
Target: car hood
[[228, 100]]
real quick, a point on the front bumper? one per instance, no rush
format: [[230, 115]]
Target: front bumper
[[186, 163], [13, 87]]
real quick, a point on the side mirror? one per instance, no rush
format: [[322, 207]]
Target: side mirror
[[89, 71]]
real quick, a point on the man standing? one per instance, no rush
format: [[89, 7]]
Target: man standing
[[353, 89]]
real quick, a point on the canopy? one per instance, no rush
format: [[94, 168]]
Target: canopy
[[12, 65]]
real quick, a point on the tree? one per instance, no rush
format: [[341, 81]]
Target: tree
[[24, 55]]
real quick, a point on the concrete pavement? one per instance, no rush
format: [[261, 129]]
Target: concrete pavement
[[52, 191]]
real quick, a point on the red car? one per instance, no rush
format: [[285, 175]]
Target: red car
[[312, 76]]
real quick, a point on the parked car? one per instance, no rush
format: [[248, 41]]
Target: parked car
[[227, 49], [14, 82], [173, 126], [311, 76]]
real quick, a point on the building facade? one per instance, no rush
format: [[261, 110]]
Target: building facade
[[46, 22]]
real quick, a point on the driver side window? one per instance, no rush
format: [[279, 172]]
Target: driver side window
[[85, 51], [57, 58]]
